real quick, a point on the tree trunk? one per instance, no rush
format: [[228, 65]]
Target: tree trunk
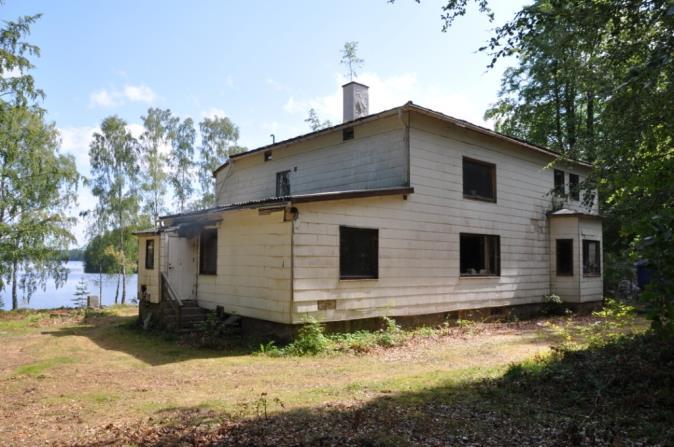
[[117, 290], [100, 285], [123, 283], [123, 259], [15, 298], [558, 111], [590, 126]]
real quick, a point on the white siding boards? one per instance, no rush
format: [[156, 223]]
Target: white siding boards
[[282, 262]]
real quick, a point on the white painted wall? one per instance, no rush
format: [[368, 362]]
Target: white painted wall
[[375, 158], [567, 287], [254, 267], [419, 237], [592, 287], [149, 278]]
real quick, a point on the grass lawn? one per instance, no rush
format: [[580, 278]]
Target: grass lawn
[[70, 378]]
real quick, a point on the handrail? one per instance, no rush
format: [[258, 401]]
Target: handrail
[[171, 292]]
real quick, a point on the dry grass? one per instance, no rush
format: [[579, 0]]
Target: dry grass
[[71, 374]]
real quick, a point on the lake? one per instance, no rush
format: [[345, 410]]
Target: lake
[[63, 296]]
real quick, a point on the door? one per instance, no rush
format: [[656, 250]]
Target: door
[[182, 266]]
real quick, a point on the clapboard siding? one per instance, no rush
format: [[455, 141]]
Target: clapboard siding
[[254, 267], [149, 278], [566, 287], [419, 237], [375, 158]]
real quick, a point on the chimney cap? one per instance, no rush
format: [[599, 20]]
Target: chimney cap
[[357, 83]]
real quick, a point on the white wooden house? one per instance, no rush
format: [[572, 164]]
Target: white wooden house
[[400, 213]]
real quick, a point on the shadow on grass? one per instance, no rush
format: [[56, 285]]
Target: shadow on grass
[[114, 332], [617, 394]]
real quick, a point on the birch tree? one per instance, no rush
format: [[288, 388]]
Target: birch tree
[[113, 155], [350, 59], [181, 161]]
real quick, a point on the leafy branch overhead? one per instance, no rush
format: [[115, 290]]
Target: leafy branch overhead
[[350, 60]]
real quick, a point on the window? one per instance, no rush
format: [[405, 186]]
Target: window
[[208, 252], [347, 134], [479, 180], [564, 257], [149, 254], [559, 182], [591, 258], [358, 253], [574, 187], [283, 184], [480, 255], [267, 156]]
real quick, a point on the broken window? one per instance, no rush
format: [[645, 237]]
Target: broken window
[[358, 253], [564, 257], [480, 255], [559, 182], [208, 252], [283, 184], [149, 254], [479, 180], [347, 134], [591, 258], [574, 187]]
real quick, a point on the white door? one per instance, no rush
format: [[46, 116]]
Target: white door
[[182, 266]]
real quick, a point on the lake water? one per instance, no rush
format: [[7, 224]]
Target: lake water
[[63, 296]]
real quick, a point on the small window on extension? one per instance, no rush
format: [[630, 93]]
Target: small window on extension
[[283, 184], [149, 254], [574, 187], [347, 134], [358, 253], [591, 258], [267, 156], [479, 180], [564, 257], [480, 254], [208, 252], [559, 182]]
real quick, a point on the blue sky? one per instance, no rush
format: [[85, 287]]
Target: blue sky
[[262, 64]]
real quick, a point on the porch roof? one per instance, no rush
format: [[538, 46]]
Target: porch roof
[[568, 212], [291, 199]]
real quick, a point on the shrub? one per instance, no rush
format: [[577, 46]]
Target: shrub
[[310, 340]]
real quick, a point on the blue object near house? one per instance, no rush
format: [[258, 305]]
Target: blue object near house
[[644, 273]]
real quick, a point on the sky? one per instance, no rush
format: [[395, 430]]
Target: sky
[[262, 64]]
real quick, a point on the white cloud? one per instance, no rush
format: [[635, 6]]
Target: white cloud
[[213, 112], [76, 140], [139, 93], [115, 97], [389, 92]]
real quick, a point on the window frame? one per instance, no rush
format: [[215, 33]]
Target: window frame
[[492, 167], [497, 256], [559, 189], [349, 277], [586, 252], [569, 273], [202, 264], [149, 265], [280, 175], [574, 186]]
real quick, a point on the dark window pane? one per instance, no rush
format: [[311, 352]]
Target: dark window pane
[[591, 258], [208, 252], [347, 134], [479, 180], [564, 257], [149, 254], [574, 187], [283, 184], [480, 255], [358, 253], [559, 182]]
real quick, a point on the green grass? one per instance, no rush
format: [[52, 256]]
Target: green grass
[[39, 368]]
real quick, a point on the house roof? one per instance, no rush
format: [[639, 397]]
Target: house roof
[[568, 212], [409, 106], [297, 198]]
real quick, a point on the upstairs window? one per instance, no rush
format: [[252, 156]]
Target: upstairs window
[[564, 257], [574, 187], [591, 258], [479, 180], [559, 182], [283, 184], [480, 255], [149, 254], [358, 253], [208, 252]]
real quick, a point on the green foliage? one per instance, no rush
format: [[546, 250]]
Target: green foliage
[[98, 260], [38, 184], [616, 310], [181, 161], [350, 60], [553, 305], [310, 340], [81, 293], [315, 122]]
